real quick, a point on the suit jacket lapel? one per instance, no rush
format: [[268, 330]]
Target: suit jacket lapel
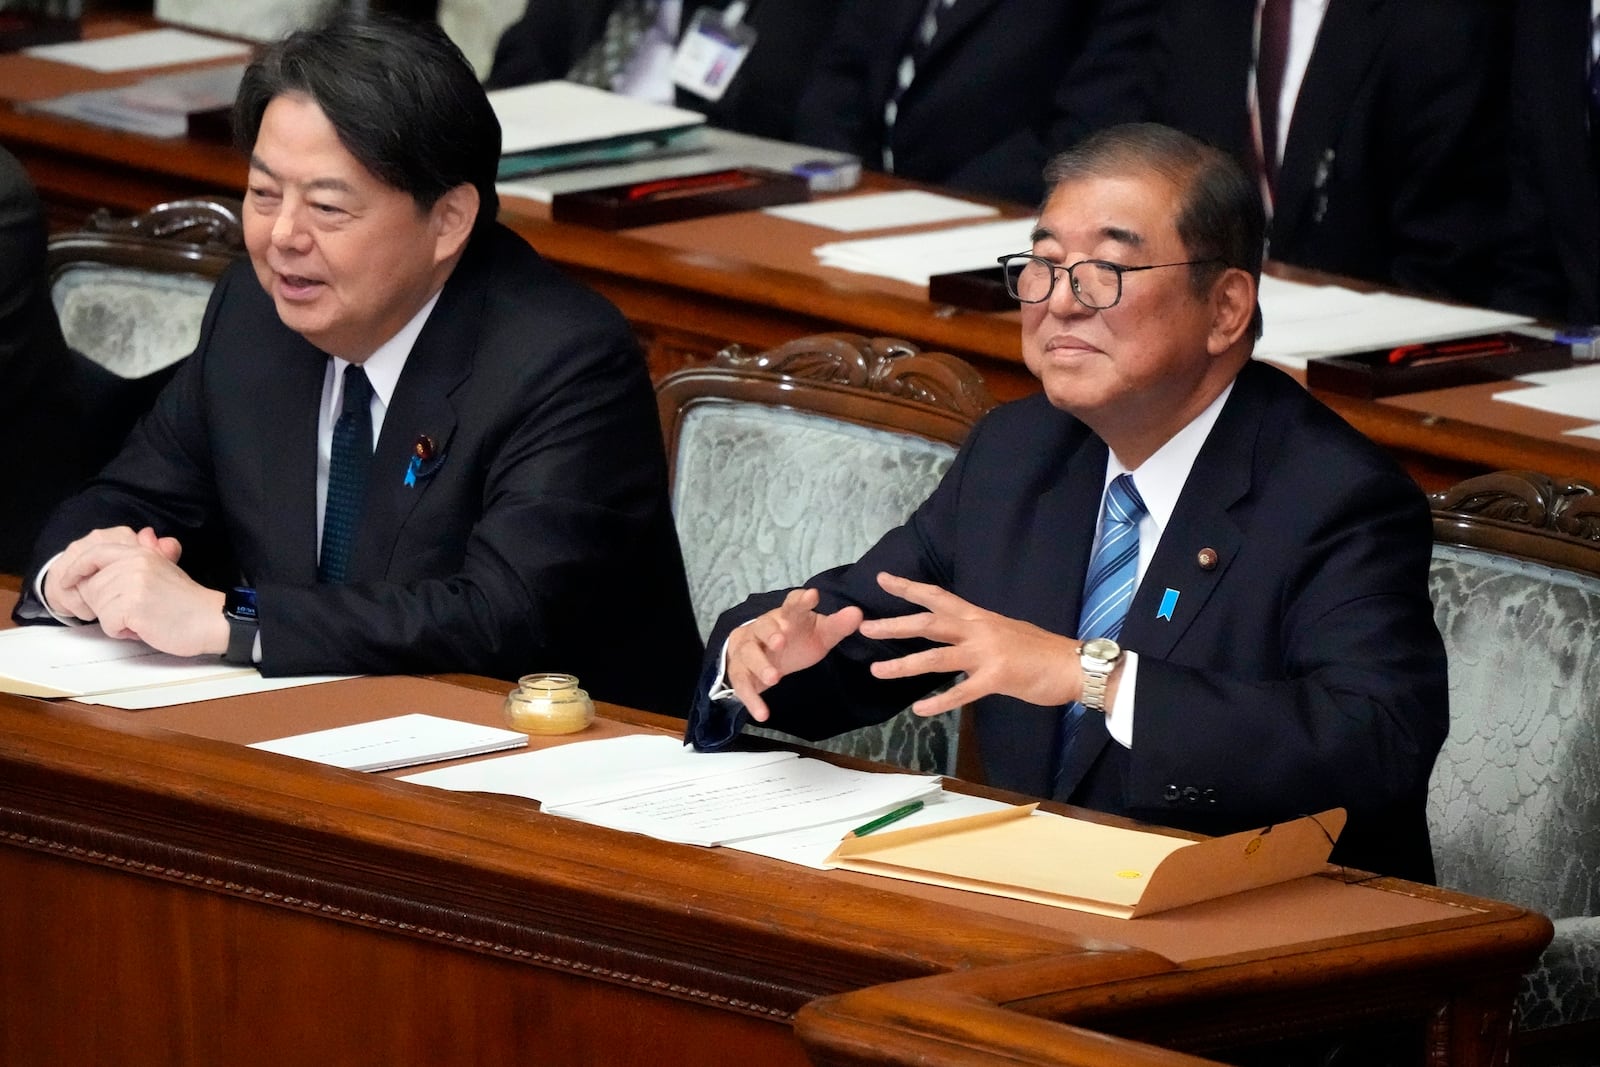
[[1203, 528], [1348, 43], [440, 360], [289, 463]]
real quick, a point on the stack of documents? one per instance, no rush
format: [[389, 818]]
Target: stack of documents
[[81, 662], [914, 258], [655, 785], [558, 125], [155, 107], [826, 171], [1306, 321], [400, 741]]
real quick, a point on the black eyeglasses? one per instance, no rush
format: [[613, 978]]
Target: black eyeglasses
[[1096, 283]]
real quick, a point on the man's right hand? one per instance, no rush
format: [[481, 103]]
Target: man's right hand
[[789, 638], [83, 558]]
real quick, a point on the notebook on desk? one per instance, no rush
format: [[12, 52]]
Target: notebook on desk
[[559, 125]]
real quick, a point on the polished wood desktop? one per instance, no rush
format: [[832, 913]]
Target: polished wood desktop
[[168, 897], [690, 288]]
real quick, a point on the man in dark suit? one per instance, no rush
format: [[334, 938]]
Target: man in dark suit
[[1262, 648], [423, 448], [1000, 87], [37, 398], [1394, 167], [1554, 268], [553, 35]]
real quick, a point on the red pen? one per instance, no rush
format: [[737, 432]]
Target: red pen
[[715, 181], [1440, 350]]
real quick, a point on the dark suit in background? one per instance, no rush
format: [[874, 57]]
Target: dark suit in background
[[552, 35], [1395, 169], [36, 375], [544, 506], [1004, 86], [1302, 672], [1554, 270], [63, 414]]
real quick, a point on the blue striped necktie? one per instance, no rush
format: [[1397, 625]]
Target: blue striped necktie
[[347, 476], [1113, 573]]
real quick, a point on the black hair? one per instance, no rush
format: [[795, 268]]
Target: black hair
[[400, 95], [1220, 216]]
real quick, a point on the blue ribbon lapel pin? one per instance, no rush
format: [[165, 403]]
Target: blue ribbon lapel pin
[[426, 458], [1169, 604]]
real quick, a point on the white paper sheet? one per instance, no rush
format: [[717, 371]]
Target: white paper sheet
[[914, 258], [399, 741], [882, 211], [236, 685], [654, 785], [82, 660], [135, 51], [1574, 392], [1306, 321]]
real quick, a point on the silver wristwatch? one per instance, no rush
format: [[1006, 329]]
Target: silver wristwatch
[[1098, 656]]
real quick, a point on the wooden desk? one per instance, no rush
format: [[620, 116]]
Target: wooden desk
[[169, 897], [692, 287]]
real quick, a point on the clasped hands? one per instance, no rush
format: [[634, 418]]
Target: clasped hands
[[131, 582], [997, 654]]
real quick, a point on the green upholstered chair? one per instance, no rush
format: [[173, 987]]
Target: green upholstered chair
[[130, 293], [1515, 800], [791, 461]]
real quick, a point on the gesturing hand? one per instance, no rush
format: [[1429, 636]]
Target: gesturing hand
[[998, 654], [789, 638]]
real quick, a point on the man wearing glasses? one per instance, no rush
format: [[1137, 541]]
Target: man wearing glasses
[[1173, 586]]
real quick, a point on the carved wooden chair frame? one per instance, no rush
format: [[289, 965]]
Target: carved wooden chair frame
[[203, 236], [876, 382], [1525, 514]]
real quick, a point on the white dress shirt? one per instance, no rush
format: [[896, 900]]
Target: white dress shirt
[[1160, 481]]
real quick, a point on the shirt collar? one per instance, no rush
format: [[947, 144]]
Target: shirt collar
[[1160, 479], [383, 367]]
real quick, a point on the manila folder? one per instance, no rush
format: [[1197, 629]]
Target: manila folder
[[1108, 870]]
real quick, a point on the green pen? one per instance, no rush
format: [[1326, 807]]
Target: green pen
[[884, 820]]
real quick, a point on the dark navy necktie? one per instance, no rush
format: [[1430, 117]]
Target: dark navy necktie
[[1108, 589], [347, 476]]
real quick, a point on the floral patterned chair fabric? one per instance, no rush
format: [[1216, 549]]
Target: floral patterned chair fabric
[[1515, 800]]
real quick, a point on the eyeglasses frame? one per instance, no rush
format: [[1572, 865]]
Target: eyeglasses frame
[[1057, 269]]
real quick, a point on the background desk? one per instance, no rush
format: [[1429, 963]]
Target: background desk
[[690, 288], [170, 897]]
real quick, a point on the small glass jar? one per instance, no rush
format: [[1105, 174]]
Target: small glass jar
[[548, 704]]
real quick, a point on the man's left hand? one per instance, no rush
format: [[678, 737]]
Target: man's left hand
[[998, 654], [136, 591]]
